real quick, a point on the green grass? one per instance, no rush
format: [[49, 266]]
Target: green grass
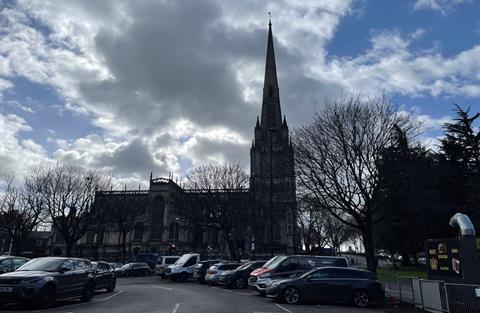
[[388, 272]]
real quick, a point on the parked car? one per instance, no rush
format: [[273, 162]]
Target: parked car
[[201, 269], [149, 258], [44, 280], [281, 267], [329, 284], [134, 269], [214, 272], [10, 263], [238, 278], [104, 276], [163, 262], [183, 268]]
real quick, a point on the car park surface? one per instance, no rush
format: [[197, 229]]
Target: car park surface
[[153, 294]]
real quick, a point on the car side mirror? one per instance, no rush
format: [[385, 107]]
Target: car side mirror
[[64, 269], [308, 278]]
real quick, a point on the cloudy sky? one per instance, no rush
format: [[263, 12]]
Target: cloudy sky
[[163, 85]]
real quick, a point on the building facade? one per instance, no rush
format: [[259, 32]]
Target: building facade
[[269, 226]]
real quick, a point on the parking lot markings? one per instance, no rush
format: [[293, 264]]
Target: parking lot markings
[[285, 309], [110, 297], [175, 309]]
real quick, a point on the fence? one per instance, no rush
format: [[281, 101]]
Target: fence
[[435, 296], [400, 288]]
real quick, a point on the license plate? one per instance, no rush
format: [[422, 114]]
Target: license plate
[[6, 289]]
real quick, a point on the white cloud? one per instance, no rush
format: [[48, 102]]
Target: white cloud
[[443, 6], [17, 156]]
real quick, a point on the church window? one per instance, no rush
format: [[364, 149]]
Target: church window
[[158, 211], [173, 231]]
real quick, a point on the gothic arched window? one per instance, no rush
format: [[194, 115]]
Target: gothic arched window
[[158, 211], [173, 231]]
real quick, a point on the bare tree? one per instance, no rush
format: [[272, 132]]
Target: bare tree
[[67, 192], [311, 226], [20, 212], [222, 198], [337, 157]]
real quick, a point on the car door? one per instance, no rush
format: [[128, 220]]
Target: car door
[[100, 276], [66, 279], [315, 285], [340, 284], [82, 268]]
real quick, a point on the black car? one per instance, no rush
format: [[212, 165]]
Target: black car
[[104, 276], [329, 284], [134, 269], [149, 258], [201, 269], [10, 263], [238, 277], [44, 280]]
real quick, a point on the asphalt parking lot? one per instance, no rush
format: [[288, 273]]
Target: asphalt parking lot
[[154, 295]]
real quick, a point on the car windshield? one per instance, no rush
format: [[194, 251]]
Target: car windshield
[[127, 265], [42, 264], [274, 262], [244, 266], [182, 259]]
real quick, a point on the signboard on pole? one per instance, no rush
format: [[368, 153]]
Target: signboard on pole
[[444, 257]]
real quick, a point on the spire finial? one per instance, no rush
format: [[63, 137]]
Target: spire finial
[[270, 19]]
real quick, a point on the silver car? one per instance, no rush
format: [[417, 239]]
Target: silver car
[[216, 270]]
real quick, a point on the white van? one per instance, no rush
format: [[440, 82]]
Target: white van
[[183, 268], [163, 262]]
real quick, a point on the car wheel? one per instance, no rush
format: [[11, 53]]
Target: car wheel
[[360, 298], [291, 295], [46, 297], [88, 292], [240, 283], [111, 286]]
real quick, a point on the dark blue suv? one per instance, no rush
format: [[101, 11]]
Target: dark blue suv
[[44, 280]]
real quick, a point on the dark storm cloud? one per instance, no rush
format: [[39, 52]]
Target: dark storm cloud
[[133, 158], [176, 59]]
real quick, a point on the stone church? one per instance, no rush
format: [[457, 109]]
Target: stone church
[[270, 226]]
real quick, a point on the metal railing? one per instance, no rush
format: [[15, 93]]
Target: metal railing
[[463, 298], [400, 288], [434, 295]]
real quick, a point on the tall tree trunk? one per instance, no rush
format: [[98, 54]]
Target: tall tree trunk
[[231, 249], [369, 250], [69, 248]]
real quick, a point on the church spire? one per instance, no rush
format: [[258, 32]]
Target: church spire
[[271, 113]]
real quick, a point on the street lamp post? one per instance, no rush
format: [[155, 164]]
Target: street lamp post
[[270, 131]]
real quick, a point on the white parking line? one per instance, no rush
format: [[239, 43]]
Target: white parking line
[[160, 287], [285, 309], [108, 298], [177, 305]]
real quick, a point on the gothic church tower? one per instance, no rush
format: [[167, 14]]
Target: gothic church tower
[[272, 179]]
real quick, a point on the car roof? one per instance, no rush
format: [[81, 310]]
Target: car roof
[[353, 269], [3, 257]]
